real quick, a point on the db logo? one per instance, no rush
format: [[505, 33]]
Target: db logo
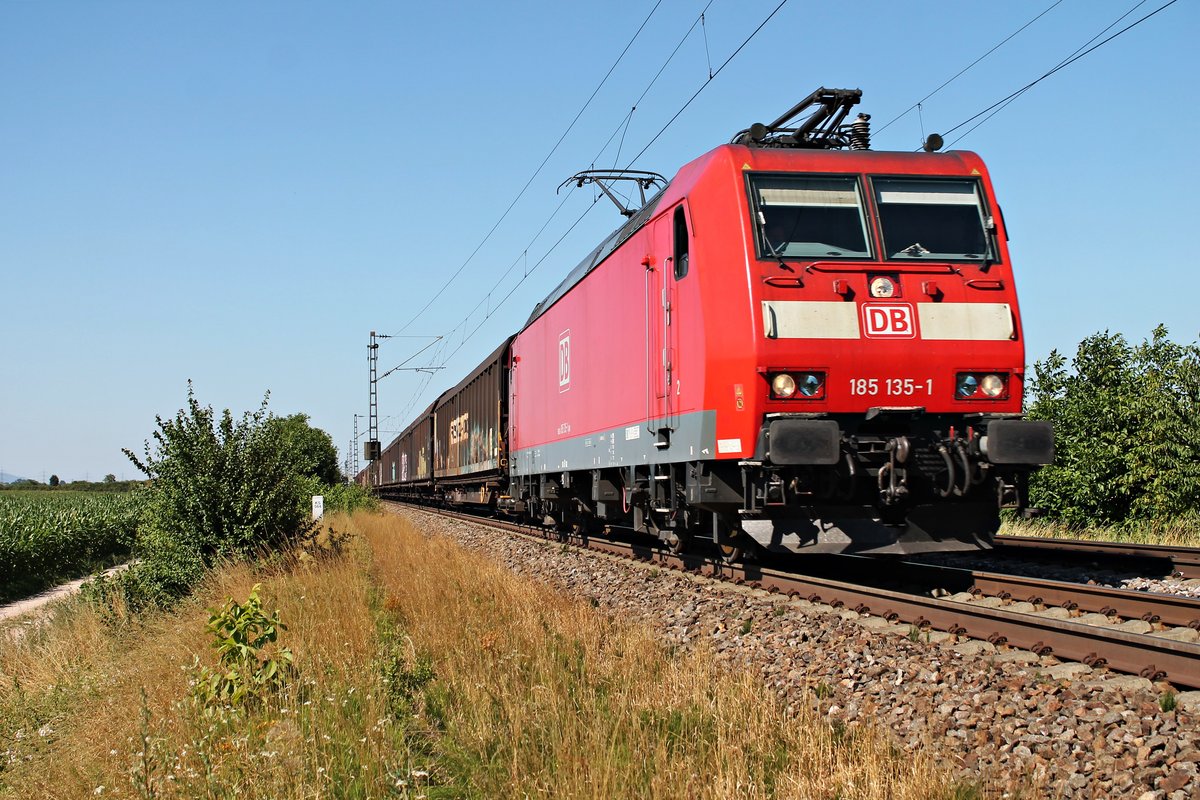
[[564, 360], [895, 321]]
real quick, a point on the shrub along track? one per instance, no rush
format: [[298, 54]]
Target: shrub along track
[[1040, 618]]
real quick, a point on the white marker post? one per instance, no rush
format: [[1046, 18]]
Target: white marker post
[[318, 506]]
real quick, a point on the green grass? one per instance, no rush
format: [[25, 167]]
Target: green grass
[[1181, 532]]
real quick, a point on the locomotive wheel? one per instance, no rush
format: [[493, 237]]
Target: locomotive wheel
[[730, 546], [731, 552], [680, 544]]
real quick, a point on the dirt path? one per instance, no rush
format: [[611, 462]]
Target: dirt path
[[39, 601]]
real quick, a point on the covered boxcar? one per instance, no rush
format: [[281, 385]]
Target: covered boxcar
[[470, 454]]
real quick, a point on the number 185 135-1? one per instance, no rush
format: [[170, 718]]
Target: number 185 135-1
[[894, 387]]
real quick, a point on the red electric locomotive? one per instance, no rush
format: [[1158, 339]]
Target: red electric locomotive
[[797, 345]]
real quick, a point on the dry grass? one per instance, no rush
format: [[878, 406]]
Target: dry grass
[[1184, 532], [420, 672]]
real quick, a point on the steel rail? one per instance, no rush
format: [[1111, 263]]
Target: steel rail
[[1151, 657], [1184, 561], [1169, 609], [1154, 607]]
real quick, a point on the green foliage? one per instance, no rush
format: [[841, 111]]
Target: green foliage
[[47, 536], [1167, 701], [310, 450], [54, 480], [24, 483], [348, 497], [245, 677], [1127, 430], [221, 488]]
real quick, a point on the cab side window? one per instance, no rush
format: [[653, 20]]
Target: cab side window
[[681, 244]]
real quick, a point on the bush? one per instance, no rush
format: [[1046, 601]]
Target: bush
[[219, 488], [310, 450], [1127, 430], [348, 497]]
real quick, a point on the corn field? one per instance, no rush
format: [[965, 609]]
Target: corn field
[[47, 536]]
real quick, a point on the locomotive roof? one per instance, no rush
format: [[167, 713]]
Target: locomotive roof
[[951, 162], [602, 251]]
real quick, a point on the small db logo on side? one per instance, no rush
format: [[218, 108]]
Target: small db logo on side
[[564, 360], [888, 321]]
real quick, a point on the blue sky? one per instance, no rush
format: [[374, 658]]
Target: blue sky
[[237, 194]]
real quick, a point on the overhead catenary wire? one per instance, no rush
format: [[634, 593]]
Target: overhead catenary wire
[[999, 105], [705, 85], [959, 74], [624, 126], [536, 172], [621, 128]]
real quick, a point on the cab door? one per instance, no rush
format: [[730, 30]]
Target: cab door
[[667, 267]]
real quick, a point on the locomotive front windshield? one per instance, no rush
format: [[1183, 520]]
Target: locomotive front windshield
[[931, 219], [809, 217]]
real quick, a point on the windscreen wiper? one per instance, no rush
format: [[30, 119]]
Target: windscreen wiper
[[762, 224]]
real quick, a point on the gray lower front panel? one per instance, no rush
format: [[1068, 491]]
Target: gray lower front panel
[[853, 529], [691, 437]]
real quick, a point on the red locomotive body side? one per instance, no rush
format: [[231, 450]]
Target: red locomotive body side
[[593, 361], [662, 350]]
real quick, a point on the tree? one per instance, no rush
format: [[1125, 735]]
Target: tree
[[110, 478], [309, 450], [54, 480], [1127, 430]]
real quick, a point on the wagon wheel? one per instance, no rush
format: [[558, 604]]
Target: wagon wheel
[[680, 544]]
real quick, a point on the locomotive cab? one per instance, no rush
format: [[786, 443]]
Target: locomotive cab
[[887, 356]]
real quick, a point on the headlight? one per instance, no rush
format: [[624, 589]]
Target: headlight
[[981, 386], [812, 384], [797, 385], [882, 286]]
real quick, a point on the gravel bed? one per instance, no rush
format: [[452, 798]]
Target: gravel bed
[[1022, 724]]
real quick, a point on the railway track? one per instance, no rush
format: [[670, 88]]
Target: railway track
[[1139, 633], [1183, 562]]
